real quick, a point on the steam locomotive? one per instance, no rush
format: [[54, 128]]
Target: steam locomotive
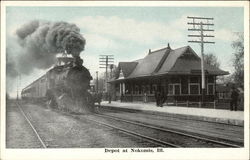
[[64, 87]]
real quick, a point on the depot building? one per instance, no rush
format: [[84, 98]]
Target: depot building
[[174, 72]]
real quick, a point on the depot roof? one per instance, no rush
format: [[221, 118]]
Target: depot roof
[[166, 61]]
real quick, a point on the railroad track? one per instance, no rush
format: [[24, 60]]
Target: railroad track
[[151, 140], [174, 124], [143, 139], [132, 133], [160, 137], [32, 126], [163, 137]]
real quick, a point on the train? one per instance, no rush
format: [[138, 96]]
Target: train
[[65, 86]]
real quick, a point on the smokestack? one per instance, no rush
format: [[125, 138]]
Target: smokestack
[[169, 46]]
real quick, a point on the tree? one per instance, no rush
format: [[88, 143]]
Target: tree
[[238, 59], [212, 60], [225, 79]]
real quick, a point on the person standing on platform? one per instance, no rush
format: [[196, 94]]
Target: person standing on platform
[[157, 98], [109, 97], [162, 99], [234, 99], [122, 97], [99, 98], [145, 97], [165, 98]]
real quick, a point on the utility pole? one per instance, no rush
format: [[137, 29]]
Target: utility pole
[[104, 62], [110, 87], [200, 26], [111, 69], [17, 87], [97, 82]]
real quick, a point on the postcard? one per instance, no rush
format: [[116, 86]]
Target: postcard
[[124, 80]]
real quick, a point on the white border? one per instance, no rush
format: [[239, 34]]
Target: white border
[[129, 3], [69, 154]]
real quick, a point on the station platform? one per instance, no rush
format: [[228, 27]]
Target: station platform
[[201, 114]]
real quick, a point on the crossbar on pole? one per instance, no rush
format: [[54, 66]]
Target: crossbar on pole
[[200, 30], [209, 24], [200, 36], [201, 42], [200, 18]]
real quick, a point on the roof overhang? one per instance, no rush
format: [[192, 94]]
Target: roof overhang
[[169, 74]]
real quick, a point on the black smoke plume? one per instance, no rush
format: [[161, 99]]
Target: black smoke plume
[[40, 41]]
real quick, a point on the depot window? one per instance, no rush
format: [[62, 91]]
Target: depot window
[[136, 91], [143, 89], [210, 88], [140, 89], [174, 89], [184, 85], [221, 95], [148, 89], [154, 88], [194, 85], [194, 88]]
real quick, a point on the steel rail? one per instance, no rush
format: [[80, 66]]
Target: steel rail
[[152, 140], [192, 127], [149, 139], [226, 124], [33, 128], [171, 131]]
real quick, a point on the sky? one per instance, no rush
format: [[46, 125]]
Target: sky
[[128, 32]]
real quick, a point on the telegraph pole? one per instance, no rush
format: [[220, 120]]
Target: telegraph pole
[[111, 69], [17, 87], [104, 62], [96, 81], [200, 26]]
